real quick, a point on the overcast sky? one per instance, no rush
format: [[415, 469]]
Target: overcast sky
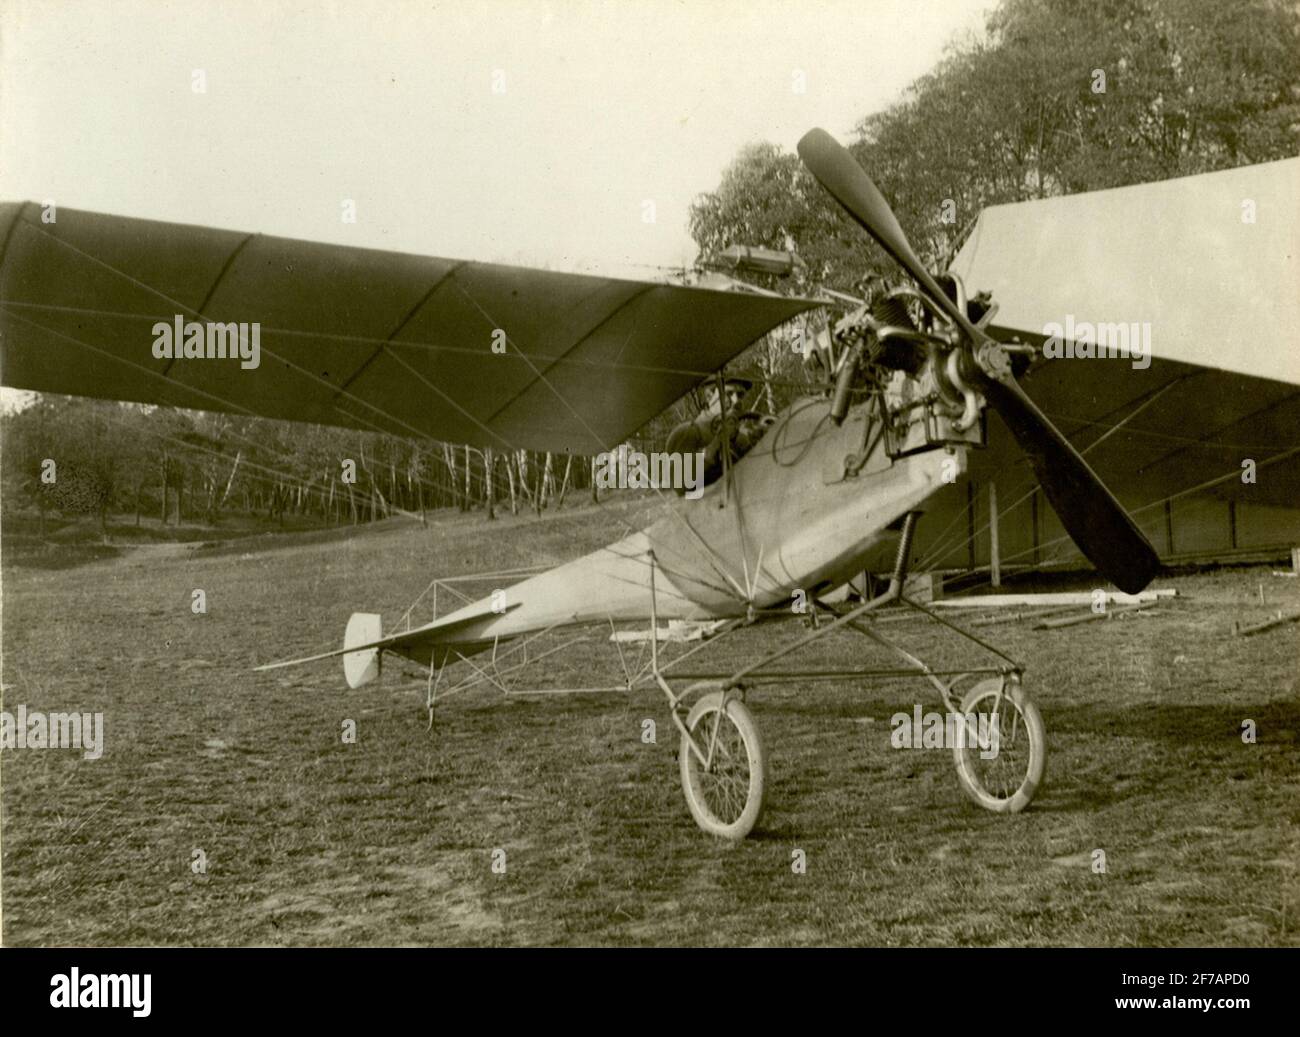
[[528, 131]]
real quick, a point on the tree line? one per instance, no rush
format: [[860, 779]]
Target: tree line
[[82, 457]]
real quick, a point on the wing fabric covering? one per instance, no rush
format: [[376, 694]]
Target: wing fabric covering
[[358, 338]]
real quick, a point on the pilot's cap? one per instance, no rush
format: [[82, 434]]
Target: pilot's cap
[[737, 389]]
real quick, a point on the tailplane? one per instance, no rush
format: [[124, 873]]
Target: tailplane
[[364, 641]]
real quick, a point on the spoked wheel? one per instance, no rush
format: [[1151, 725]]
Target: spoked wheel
[[1003, 775], [724, 790]]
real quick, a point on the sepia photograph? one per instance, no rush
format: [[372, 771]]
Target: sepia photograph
[[650, 474]]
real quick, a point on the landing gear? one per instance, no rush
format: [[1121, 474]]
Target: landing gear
[[723, 765], [1000, 765], [1000, 756]]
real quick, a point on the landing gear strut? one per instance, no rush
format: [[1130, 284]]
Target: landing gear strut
[[1000, 752]]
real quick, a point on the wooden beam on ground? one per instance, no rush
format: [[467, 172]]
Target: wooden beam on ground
[[1089, 617], [1018, 615], [978, 601], [1268, 624]]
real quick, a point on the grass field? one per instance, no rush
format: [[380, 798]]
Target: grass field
[[391, 840]]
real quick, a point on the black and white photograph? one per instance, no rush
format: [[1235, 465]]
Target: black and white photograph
[[645, 474]]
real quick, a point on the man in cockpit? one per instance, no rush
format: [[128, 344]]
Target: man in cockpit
[[714, 429]]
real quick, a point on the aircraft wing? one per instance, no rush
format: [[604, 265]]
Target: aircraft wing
[[357, 337]]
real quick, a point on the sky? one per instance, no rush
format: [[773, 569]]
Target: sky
[[558, 133]]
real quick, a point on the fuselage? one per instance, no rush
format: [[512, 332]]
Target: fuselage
[[791, 515]]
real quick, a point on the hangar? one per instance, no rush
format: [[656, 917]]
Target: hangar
[[1202, 444]]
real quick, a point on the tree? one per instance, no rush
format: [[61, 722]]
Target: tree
[[1020, 112]]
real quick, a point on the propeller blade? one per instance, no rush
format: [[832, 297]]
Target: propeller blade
[[1095, 520], [838, 171]]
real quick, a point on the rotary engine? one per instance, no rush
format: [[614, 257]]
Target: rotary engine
[[902, 350]]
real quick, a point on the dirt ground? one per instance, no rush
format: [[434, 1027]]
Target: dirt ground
[[304, 838]]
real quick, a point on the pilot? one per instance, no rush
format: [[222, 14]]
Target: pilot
[[713, 428]]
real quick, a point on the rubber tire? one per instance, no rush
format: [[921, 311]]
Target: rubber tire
[[1037, 750], [739, 714]]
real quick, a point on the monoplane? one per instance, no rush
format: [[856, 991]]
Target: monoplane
[[405, 345]]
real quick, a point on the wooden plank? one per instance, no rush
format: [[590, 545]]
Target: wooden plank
[[1053, 598], [1018, 615], [1268, 624], [1089, 617]]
